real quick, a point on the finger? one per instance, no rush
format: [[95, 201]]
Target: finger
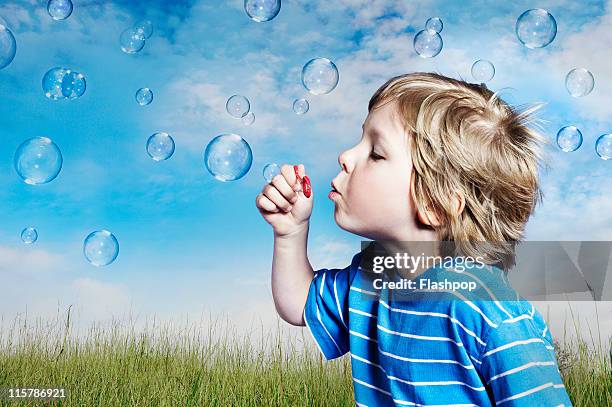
[[265, 204], [283, 187], [289, 174], [275, 196]]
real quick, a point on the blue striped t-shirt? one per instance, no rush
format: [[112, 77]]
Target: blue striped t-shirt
[[421, 353]]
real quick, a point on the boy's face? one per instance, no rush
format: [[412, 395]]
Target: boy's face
[[374, 199]]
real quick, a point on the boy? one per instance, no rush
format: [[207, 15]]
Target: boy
[[439, 160]]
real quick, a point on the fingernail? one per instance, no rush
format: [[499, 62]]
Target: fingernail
[[289, 208]]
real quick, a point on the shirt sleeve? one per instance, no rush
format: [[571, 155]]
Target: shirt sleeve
[[326, 309], [519, 366]]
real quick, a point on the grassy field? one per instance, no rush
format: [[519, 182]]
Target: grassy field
[[114, 365]]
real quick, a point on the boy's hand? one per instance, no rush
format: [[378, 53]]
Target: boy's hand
[[283, 204]]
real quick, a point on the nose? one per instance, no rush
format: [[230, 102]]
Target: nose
[[345, 161]]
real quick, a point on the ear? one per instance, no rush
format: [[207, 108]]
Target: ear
[[430, 218]]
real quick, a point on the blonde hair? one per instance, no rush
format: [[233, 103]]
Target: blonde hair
[[466, 140]]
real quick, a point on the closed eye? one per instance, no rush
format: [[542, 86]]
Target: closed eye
[[375, 156]]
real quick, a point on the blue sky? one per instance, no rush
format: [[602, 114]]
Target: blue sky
[[189, 242]]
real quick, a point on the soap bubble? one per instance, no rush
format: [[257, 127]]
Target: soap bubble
[[144, 96], [603, 146], [536, 28], [144, 27], [101, 248], [270, 170], [262, 10], [63, 83], [29, 235], [131, 41], [38, 160], [427, 43], [59, 9], [228, 157], [569, 138], [248, 119], [300, 106], [52, 83], [320, 76], [73, 85], [434, 23], [8, 46], [160, 146], [483, 70], [579, 82], [238, 106]]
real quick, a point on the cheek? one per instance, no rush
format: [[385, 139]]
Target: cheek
[[382, 194]]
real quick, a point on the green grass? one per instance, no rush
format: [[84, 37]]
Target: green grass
[[193, 365]]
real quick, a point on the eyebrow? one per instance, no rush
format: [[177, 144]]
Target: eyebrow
[[377, 135]]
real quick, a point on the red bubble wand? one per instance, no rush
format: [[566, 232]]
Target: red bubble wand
[[305, 181]]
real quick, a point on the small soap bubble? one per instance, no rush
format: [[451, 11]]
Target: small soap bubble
[[536, 28], [59, 9], [73, 84], [262, 10], [8, 46], [160, 146], [228, 157], [300, 106], [52, 83], [238, 106], [434, 23], [144, 27], [483, 70], [101, 248], [603, 146], [29, 235], [131, 41], [144, 96], [38, 160], [320, 76], [569, 138], [248, 119], [427, 43], [270, 171], [579, 82]]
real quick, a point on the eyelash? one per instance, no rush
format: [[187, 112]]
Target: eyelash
[[375, 156]]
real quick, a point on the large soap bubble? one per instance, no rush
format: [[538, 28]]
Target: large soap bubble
[[262, 10], [301, 106], [569, 138], [73, 85], [160, 146], [536, 28], [101, 248], [132, 41], [603, 146], [144, 27], [238, 106], [249, 119], [483, 70], [59, 9], [270, 171], [434, 23], [8, 46], [320, 76], [579, 82], [228, 157], [38, 160], [427, 43], [29, 235], [144, 96]]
